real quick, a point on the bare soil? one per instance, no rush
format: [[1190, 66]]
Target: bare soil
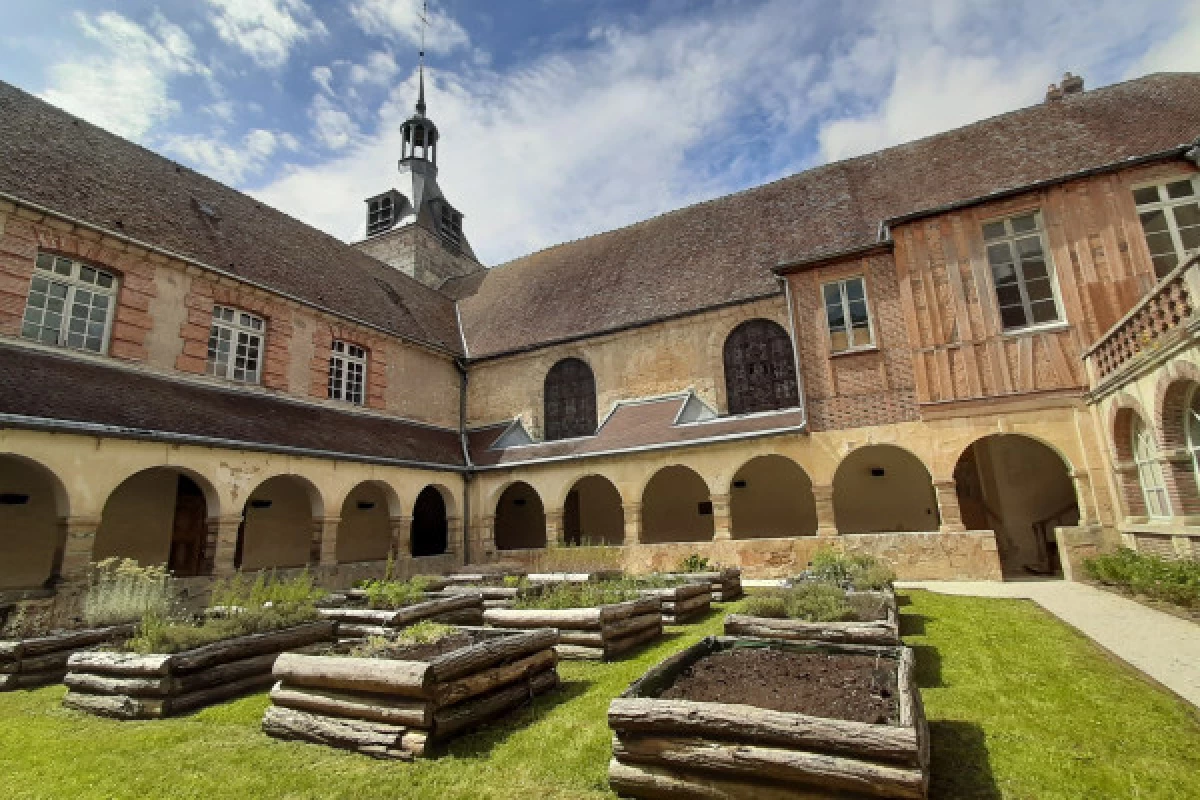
[[849, 687]]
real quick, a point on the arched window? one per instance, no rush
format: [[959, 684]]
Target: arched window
[[760, 371], [1191, 427], [1145, 456], [570, 400]]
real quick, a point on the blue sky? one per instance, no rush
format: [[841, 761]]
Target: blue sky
[[560, 118]]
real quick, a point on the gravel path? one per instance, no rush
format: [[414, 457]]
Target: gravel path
[[1164, 647]]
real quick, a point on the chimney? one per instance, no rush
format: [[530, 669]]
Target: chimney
[[1071, 84], [1053, 93]]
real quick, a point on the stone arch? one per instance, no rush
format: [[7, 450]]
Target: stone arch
[[760, 368], [676, 507], [881, 488], [160, 515], [771, 496], [278, 523], [1019, 486], [593, 512], [431, 521], [1177, 424], [569, 400], [33, 504], [365, 522], [520, 518], [1125, 416]]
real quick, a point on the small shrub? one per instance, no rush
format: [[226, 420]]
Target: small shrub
[[765, 605], [860, 571], [695, 563], [580, 595], [119, 591], [1176, 582], [579, 558], [424, 632], [812, 602], [395, 594], [514, 582]]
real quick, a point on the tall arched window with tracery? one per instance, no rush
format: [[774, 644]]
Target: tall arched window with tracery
[[760, 370], [1150, 477], [570, 400]]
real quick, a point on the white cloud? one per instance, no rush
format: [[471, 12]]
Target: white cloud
[[123, 88], [1178, 53], [402, 18], [265, 30], [379, 70], [324, 78], [231, 163], [332, 127]]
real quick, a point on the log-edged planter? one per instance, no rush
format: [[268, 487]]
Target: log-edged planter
[[154, 685], [462, 609], [726, 583], [395, 709], [494, 595], [683, 603], [597, 632], [42, 660], [884, 631], [575, 577], [667, 748]]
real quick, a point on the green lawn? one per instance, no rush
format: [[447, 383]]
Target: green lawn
[[1020, 707]]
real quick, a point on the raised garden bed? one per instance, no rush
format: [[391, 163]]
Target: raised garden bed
[[495, 595], [735, 717], [574, 577], [42, 660], [463, 609], [876, 623], [396, 706], [683, 603], [597, 632], [726, 583], [149, 686]]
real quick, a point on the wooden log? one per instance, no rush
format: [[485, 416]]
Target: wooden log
[[44, 663], [223, 673], [414, 742], [348, 631], [72, 640], [28, 680], [10, 650], [251, 645], [582, 638], [489, 653], [134, 664], [386, 676], [118, 706], [578, 652], [450, 720], [190, 701], [813, 770], [876, 633], [630, 625], [741, 723], [456, 691], [617, 647], [8, 667], [93, 683], [487, 592], [406, 712], [701, 601], [466, 616], [561, 618], [630, 608], [659, 783], [369, 738]]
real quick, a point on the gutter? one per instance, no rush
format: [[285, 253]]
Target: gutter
[[787, 295], [467, 472]]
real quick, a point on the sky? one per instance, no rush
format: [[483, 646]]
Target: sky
[[560, 118]]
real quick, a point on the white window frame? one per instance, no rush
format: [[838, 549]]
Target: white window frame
[[1149, 472], [243, 329], [845, 303], [1181, 253], [1010, 238], [1192, 432], [346, 358], [74, 282]]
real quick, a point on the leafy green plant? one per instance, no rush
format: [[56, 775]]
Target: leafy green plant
[[579, 558], [580, 595], [424, 632], [395, 594], [813, 602], [862, 571], [772, 605], [1176, 582], [119, 591], [514, 581], [695, 563]]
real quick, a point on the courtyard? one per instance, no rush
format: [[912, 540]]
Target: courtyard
[[1020, 705]]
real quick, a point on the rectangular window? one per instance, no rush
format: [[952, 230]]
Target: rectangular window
[[235, 345], [847, 316], [1021, 270], [347, 372], [70, 304], [381, 214], [1170, 215]]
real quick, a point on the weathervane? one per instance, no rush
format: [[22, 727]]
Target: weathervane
[[424, 17]]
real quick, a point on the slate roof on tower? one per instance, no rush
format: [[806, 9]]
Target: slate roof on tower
[[723, 250], [56, 160]]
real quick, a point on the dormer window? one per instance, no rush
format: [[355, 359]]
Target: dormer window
[[451, 224], [383, 212]]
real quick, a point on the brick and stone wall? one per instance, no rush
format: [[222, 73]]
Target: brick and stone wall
[[420, 254]]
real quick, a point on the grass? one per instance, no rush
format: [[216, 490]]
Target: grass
[[1020, 707]]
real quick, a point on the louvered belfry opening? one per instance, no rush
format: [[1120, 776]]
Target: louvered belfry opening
[[570, 400], [760, 370]]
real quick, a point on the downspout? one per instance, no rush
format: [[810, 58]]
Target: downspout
[[787, 298], [469, 472]]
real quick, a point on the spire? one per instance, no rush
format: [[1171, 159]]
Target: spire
[[421, 61]]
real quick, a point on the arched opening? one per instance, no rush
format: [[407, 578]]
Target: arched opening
[[771, 497], [278, 524], [520, 519], [430, 527], [760, 369], [569, 399], [1021, 489], [33, 503], [676, 507], [592, 513], [365, 526], [883, 488], [158, 516]]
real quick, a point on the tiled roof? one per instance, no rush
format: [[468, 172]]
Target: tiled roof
[[723, 250], [60, 389], [633, 425], [56, 160]]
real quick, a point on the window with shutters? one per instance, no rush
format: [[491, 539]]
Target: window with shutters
[[570, 400], [70, 304], [347, 372], [1170, 215], [760, 369], [235, 345]]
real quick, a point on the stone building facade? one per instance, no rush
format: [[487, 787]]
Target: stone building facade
[[942, 359]]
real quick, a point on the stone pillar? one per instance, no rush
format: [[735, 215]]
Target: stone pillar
[[324, 544], [223, 534], [1088, 514], [454, 535], [633, 522], [722, 525], [947, 500], [487, 532], [555, 533], [826, 522], [77, 549], [401, 547]]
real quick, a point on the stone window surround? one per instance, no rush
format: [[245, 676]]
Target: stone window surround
[[1181, 253], [841, 282], [73, 283], [1009, 238]]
